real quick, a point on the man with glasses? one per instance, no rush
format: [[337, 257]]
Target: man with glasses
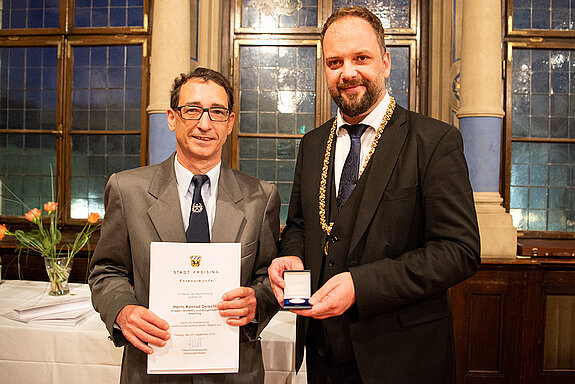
[[192, 196]]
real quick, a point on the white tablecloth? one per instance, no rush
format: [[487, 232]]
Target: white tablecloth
[[60, 354]]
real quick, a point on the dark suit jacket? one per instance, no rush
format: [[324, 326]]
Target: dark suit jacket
[[142, 205], [414, 235]]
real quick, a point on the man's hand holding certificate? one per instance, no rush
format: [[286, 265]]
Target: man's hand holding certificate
[[195, 289]]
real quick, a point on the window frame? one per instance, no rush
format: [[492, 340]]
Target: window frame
[[527, 39], [535, 33], [65, 38]]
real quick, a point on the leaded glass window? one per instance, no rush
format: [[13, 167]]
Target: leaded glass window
[[71, 101], [106, 96], [23, 14], [108, 13], [392, 13], [277, 105], [544, 14], [28, 94], [279, 13], [542, 183]]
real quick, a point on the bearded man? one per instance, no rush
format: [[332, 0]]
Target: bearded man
[[382, 213]]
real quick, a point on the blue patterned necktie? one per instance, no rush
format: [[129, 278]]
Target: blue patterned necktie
[[198, 229], [350, 171]]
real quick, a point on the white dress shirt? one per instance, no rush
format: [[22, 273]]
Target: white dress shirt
[[186, 192]]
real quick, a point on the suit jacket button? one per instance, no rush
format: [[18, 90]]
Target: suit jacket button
[[331, 263], [334, 239]]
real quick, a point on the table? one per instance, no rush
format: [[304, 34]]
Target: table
[[60, 354]]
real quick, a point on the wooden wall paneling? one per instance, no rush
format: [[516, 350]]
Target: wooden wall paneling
[[488, 312]]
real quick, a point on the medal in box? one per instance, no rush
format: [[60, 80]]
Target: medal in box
[[297, 290]]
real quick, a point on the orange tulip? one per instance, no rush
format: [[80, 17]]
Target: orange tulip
[[33, 214], [3, 230], [93, 218], [50, 206]]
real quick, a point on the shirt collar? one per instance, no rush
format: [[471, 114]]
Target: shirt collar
[[373, 119], [184, 176]]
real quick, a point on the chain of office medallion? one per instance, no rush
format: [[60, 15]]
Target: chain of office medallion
[[323, 181]]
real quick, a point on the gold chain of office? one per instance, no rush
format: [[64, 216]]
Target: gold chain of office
[[323, 181]]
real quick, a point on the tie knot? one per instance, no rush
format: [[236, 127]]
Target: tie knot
[[356, 130], [199, 180]]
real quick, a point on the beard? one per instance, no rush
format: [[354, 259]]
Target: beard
[[356, 104]]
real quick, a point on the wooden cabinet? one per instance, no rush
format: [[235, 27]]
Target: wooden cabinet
[[514, 322]]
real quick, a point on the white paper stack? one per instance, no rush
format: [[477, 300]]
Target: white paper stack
[[69, 311]]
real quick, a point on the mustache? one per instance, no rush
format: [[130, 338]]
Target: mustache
[[352, 83]]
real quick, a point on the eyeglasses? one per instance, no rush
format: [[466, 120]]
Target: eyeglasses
[[218, 114]]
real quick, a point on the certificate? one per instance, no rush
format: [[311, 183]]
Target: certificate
[[187, 280]]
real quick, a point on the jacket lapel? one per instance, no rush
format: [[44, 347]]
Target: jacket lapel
[[229, 219], [380, 168], [165, 213]]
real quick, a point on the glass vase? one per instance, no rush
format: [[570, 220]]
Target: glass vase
[[58, 269]]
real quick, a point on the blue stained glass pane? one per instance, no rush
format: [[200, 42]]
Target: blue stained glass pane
[[540, 59], [133, 98], [98, 78], [522, 18], [540, 105], [306, 58], [99, 17], [537, 220], [134, 55], [17, 57], [559, 82], [279, 15], [18, 19], [135, 17], [82, 17], [538, 175], [538, 198], [35, 3], [99, 56], [81, 79], [540, 82], [116, 78], [519, 174], [109, 13], [117, 17], [520, 126], [117, 56], [559, 105], [559, 18], [34, 79], [17, 78], [519, 197], [50, 79], [30, 14], [546, 4], [134, 77], [308, 17], [392, 13], [540, 18], [35, 18]]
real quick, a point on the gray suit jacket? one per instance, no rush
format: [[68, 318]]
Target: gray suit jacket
[[142, 205]]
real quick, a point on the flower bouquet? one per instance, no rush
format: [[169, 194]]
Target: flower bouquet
[[45, 239]]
